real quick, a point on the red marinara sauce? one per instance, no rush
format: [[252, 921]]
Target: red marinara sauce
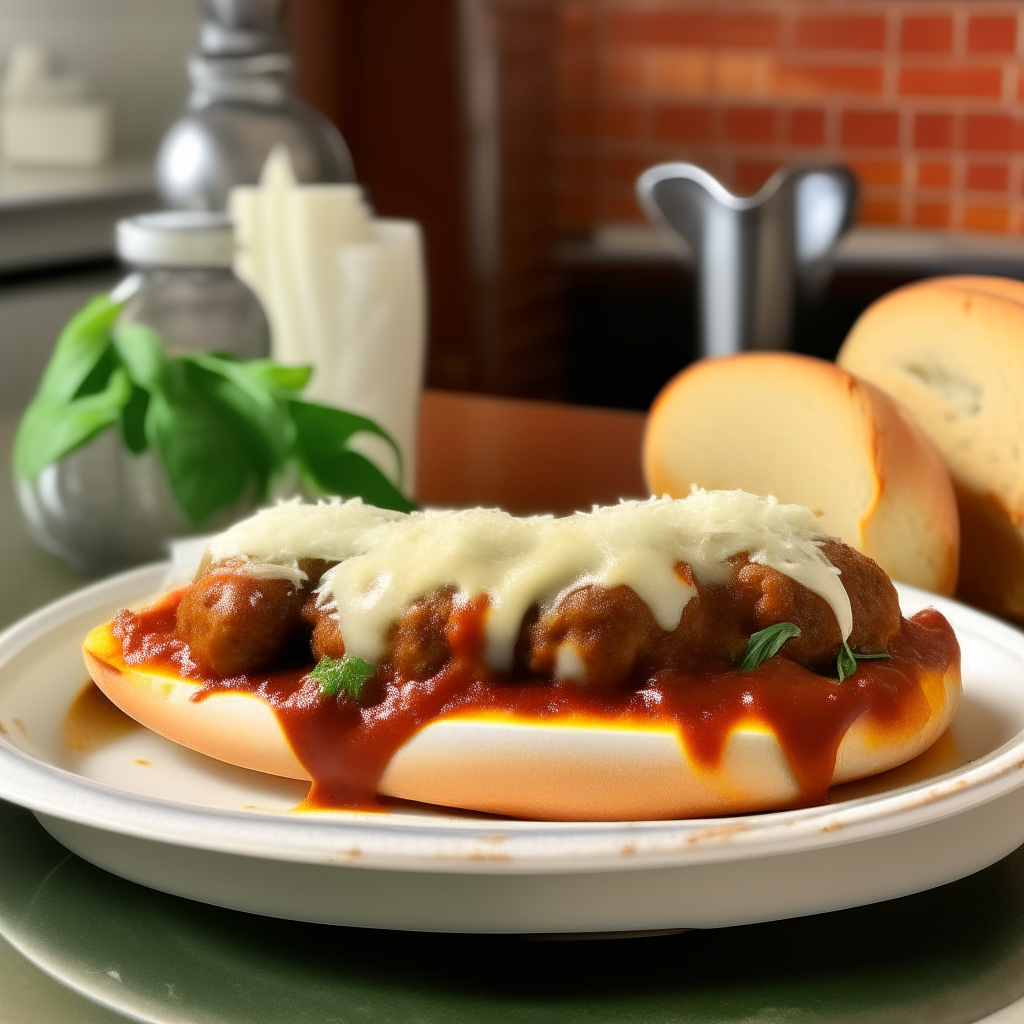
[[346, 747]]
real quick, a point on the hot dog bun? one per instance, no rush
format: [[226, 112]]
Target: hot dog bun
[[813, 434], [951, 351], [550, 769]]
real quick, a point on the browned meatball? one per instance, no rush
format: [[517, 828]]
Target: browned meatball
[[234, 622], [326, 641], [610, 630], [873, 598], [774, 597], [417, 645]]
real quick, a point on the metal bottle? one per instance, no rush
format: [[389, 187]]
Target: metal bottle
[[240, 107]]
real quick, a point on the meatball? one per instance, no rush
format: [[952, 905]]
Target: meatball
[[768, 596], [234, 621], [596, 635]]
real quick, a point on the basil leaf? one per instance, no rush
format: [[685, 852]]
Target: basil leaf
[[261, 423], [51, 429], [133, 421], [142, 353], [322, 433], [765, 643], [351, 475], [282, 381], [80, 346], [206, 465], [346, 676], [846, 664]]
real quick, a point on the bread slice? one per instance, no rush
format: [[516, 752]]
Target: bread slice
[[951, 351], [812, 434]]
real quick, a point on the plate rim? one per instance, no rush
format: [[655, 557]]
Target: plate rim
[[489, 845]]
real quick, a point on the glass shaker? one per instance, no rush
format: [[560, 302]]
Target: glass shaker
[[103, 508]]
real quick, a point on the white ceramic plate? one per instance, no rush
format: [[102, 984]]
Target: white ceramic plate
[[164, 816]]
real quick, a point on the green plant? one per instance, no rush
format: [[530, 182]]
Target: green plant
[[218, 426]]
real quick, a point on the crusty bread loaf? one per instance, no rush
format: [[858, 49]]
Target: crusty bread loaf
[[951, 351], [812, 434]]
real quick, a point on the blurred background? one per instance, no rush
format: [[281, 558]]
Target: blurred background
[[514, 130]]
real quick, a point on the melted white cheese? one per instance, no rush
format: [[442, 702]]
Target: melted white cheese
[[522, 562], [276, 538], [387, 559]]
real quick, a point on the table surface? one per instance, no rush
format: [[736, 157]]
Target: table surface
[[948, 956]]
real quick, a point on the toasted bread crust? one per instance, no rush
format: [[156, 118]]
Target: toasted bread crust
[[811, 433]]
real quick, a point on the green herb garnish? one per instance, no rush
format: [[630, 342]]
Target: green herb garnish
[[338, 676], [846, 664], [222, 428], [766, 642]]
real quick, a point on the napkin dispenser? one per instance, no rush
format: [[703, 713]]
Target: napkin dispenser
[[751, 251]]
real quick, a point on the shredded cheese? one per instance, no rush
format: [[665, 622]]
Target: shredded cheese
[[387, 560]]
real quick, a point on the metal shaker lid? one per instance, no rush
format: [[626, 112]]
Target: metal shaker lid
[[176, 238]]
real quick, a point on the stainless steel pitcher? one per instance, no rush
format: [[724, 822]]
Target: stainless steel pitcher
[[752, 251]]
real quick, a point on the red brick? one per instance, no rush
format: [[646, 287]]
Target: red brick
[[807, 127], [575, 22], [992, 35], [752, 174], [619, 207], [991, 131], [683, 124], [927, 35], [932, 215], [986, 218], [991, 177], [624, 170], [695, 28], [934, 175], [838, 33], [574, 121], [951, 81], [933, 131], [750, 124], [619, 122], [870, 128], [803, 79], [575, 211], [878, 172], [879, 212]]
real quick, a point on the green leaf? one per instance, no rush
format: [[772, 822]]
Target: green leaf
[[322, 434], [133, 421], [80, 346], [207, 466], [346, 676], [261, 422], [142, 353], [351, 475], [766, 643], [846, 664], [53, 428], [282, 381]]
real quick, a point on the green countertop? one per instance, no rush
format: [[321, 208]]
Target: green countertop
[[949, 956]]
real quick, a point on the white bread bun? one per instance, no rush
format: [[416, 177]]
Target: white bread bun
[[951, 351], [552, 770], [811, 434]]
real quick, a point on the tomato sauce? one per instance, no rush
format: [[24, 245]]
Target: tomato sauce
[[346, 747]]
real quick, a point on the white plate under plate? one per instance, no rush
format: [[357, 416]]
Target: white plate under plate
[[164, 816]]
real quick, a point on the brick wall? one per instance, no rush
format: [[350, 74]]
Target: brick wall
[[924, 100]]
